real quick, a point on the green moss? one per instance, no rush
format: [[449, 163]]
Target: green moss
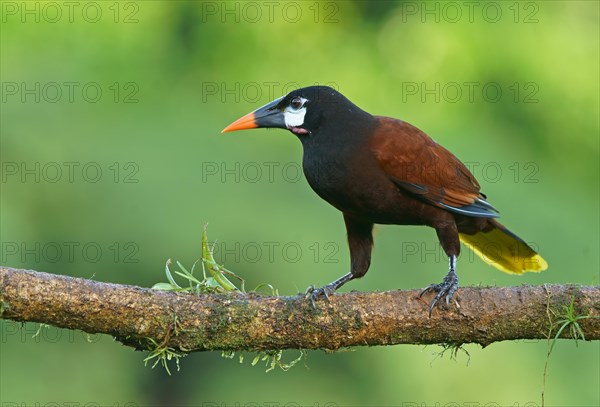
[[4, 306]]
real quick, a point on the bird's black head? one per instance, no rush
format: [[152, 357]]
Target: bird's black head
[[302, 111]]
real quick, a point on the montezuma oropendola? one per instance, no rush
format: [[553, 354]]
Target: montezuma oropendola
[[377, 169]]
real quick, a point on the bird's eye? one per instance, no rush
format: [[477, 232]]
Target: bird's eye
[[296, 103]]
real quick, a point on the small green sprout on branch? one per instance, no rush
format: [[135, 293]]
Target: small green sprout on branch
[[214, 280], [567, 319], [163, 354]]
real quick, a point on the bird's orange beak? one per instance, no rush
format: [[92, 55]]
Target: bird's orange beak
[[270, 115], [243, 123]]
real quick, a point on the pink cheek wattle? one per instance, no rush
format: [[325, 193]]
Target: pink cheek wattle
[[297, 130]]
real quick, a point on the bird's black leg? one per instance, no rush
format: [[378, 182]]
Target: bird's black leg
[[446, 288], [448, 235], [360, 241]]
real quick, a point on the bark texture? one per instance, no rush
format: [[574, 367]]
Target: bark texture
[[188, 322]]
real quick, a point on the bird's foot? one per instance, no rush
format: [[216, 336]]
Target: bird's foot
[[313, 293], [446, 288]]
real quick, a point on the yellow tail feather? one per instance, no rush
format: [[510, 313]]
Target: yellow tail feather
[[502, 249]]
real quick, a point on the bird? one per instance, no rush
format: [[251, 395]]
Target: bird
[[381, 170]]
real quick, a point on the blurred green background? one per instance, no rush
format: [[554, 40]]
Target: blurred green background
[[112, 159]]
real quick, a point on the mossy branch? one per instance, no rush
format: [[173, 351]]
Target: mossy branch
[[143, 317]]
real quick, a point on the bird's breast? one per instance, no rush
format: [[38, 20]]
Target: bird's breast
[[355, 184], [328, 178]]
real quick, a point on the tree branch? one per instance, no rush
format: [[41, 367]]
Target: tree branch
[[187, 322]]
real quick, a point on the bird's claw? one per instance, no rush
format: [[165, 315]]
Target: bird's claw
[[446, 288], [313, 293]]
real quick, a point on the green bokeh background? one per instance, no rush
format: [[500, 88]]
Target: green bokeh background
[[189, 69]]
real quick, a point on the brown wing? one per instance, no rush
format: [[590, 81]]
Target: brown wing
[[417, 164]]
